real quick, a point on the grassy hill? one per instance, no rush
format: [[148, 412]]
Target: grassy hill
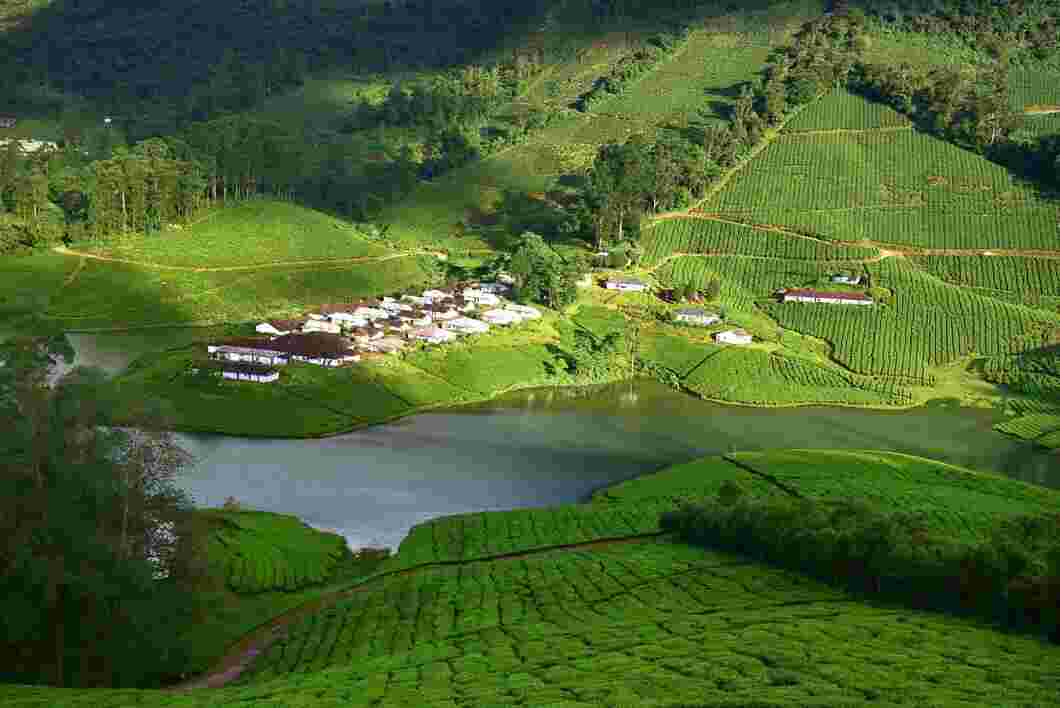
[[484, 609]]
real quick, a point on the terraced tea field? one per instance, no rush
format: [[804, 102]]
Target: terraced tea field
[[1040, 276], [1034, 88], [260, 552], [896, 187], [841, 110], [925, 324], [627, 626], [958, 501], [713, 237]]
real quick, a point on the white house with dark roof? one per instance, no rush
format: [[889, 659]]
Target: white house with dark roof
[[328, 326], [626, 284], [524, 311], [696, 316], [733, 336], [466, 325], [247, 352], [501, 317], [842, 298], [432, 335]]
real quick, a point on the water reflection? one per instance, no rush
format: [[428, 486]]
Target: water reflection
[[546, 447]]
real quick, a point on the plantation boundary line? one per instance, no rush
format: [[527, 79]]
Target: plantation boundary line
[[842, 131], [239, 657], [767, 477]]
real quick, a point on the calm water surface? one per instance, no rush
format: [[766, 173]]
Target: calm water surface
[[557, 446], [550, 446]]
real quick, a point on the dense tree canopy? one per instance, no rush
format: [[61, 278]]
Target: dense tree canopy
[[89, 554]]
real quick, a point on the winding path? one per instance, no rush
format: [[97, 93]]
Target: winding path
[[241, 655]]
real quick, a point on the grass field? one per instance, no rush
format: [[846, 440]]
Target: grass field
[[116, 294], [248, 233], [310, 401]]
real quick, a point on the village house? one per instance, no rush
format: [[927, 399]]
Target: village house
[[466, 325], [397, 324], [315, 325], [733, 336], [501, 317], [387, 345], [243, 371], [278, 327], [436, 295], [371, 313], [423, 318], [393, 306], [345, 320], [626, 284], [431, 335], [495, 288], [696, 316], [846, 279], [321, 348], [7, 121], [845, 298], [366, 334], [250, 351], [464, 306], [414, 299], [480, 297], [524, 311], [440, 313]]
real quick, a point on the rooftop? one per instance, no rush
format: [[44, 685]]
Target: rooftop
[[827, 295], [313, 344]]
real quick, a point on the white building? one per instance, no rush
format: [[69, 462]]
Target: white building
[[626, 284], [250, 372], [495, 288], [848, 298], [524, 311], [480, 297], [371, 313], [501, 317], [345, 319], [315, 325], [249, 355], [733, 336], [696, 316], [436, 295], [466, 325], [847, 279], [432, 335]]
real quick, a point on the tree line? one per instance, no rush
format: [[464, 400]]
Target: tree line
[[96, 552], [628, 181], [1012, 577]]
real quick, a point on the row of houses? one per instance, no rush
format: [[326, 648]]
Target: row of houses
[[341, 333]]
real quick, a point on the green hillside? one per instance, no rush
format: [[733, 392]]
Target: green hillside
[[489, 609]]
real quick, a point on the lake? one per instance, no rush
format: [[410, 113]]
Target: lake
[[545, 446], [557, 446]]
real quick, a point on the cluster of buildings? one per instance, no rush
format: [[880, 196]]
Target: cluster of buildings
[[702, 318], [339, 334]]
